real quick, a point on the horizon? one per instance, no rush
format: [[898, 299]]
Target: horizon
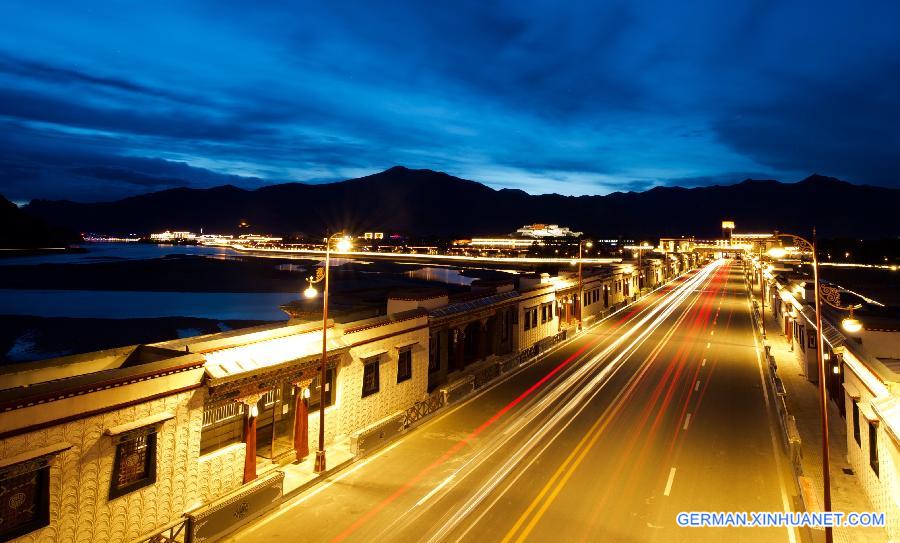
[[97, 103], [23, 203]]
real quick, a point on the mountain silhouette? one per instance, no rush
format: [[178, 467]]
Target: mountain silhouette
[[429, 203], [19, 230]]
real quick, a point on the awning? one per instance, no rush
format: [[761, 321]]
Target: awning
[[868, 413], [227, 364], [34, 454], [372, 354], [851, 390], [152, 420], [888, 409]]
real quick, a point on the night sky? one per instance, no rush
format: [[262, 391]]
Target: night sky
[[102, 100]]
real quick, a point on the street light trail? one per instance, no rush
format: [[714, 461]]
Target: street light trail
[[676, 292], [666, 306], [646, 411], [578, 454]]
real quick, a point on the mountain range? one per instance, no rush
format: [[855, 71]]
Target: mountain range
[[21, 230], [425, 203]]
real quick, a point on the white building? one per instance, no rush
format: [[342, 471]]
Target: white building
[[539, 230]]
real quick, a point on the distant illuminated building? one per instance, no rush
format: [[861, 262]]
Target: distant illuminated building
[[173, 236], [546, 231]]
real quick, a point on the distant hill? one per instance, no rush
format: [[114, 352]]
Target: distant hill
[[424, 202], [19, 230]]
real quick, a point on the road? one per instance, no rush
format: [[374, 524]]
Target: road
[[659, 409]]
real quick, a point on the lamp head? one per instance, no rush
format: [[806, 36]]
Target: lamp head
[[310, 292], [344, 245], [851, 325], [589, 244]]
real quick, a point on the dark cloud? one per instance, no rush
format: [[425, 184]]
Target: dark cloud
[[585, 97]]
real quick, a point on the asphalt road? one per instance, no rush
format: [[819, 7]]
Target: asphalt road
[[657, 410]]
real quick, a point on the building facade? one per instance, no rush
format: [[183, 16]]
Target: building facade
[[190, 438]]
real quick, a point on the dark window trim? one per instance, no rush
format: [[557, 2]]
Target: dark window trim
[[400, 355], [149, 433], [374, 361], [856, 422], [41, 518], [873, 446]]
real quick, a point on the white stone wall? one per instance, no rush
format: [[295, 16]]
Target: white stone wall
[[80, 477], [220, 471], [883, 489], [527, 338], [351, 412]]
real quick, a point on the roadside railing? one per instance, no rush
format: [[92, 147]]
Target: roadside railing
[[173, 532], [422, 409]]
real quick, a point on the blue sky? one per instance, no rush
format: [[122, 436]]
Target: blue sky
[[102, 100]]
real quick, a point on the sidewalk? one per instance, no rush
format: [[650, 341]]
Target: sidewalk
[[299, 476], [802, 401]]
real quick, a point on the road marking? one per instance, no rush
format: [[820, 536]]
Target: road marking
[[703, 363], [712, 332], [708, 344], [435, 490], [669, 482], [775, 447], [697, 386], [687, 421]]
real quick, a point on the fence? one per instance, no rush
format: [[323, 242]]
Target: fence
[[422, 409]]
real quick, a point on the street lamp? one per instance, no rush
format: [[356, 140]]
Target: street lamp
[[343, 245], [830, 296], [581, 245]]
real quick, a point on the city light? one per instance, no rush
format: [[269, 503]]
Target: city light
[[777, 252], [344, 245], [851, 325], [310, 292]]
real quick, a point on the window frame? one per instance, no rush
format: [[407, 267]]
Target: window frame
[[148, 433], [856, 432], [330, 377], [873, 447], [41, 468], [405, 352], [367, 363]]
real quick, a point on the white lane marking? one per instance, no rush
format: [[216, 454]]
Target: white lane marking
[[669, 482], [708, 344], [697, 386], [687, 422], [712, 332], [703, 363], [775, 441], [435, 490]]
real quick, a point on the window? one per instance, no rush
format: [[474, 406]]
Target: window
[[404, 365], [223, 425], [856, 423], [25, 503], [434, 353], [546, 312], [530, 318], [315, 394], [370, 377], [135, 463], [873, 446]]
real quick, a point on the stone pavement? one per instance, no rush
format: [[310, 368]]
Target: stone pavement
[[802, 401]]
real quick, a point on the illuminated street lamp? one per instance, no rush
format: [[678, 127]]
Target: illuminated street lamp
[[830, 296], [581, 245], [343, 245]]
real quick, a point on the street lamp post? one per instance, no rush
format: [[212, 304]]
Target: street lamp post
[[342, 245], [581, 245], [831, 297]]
